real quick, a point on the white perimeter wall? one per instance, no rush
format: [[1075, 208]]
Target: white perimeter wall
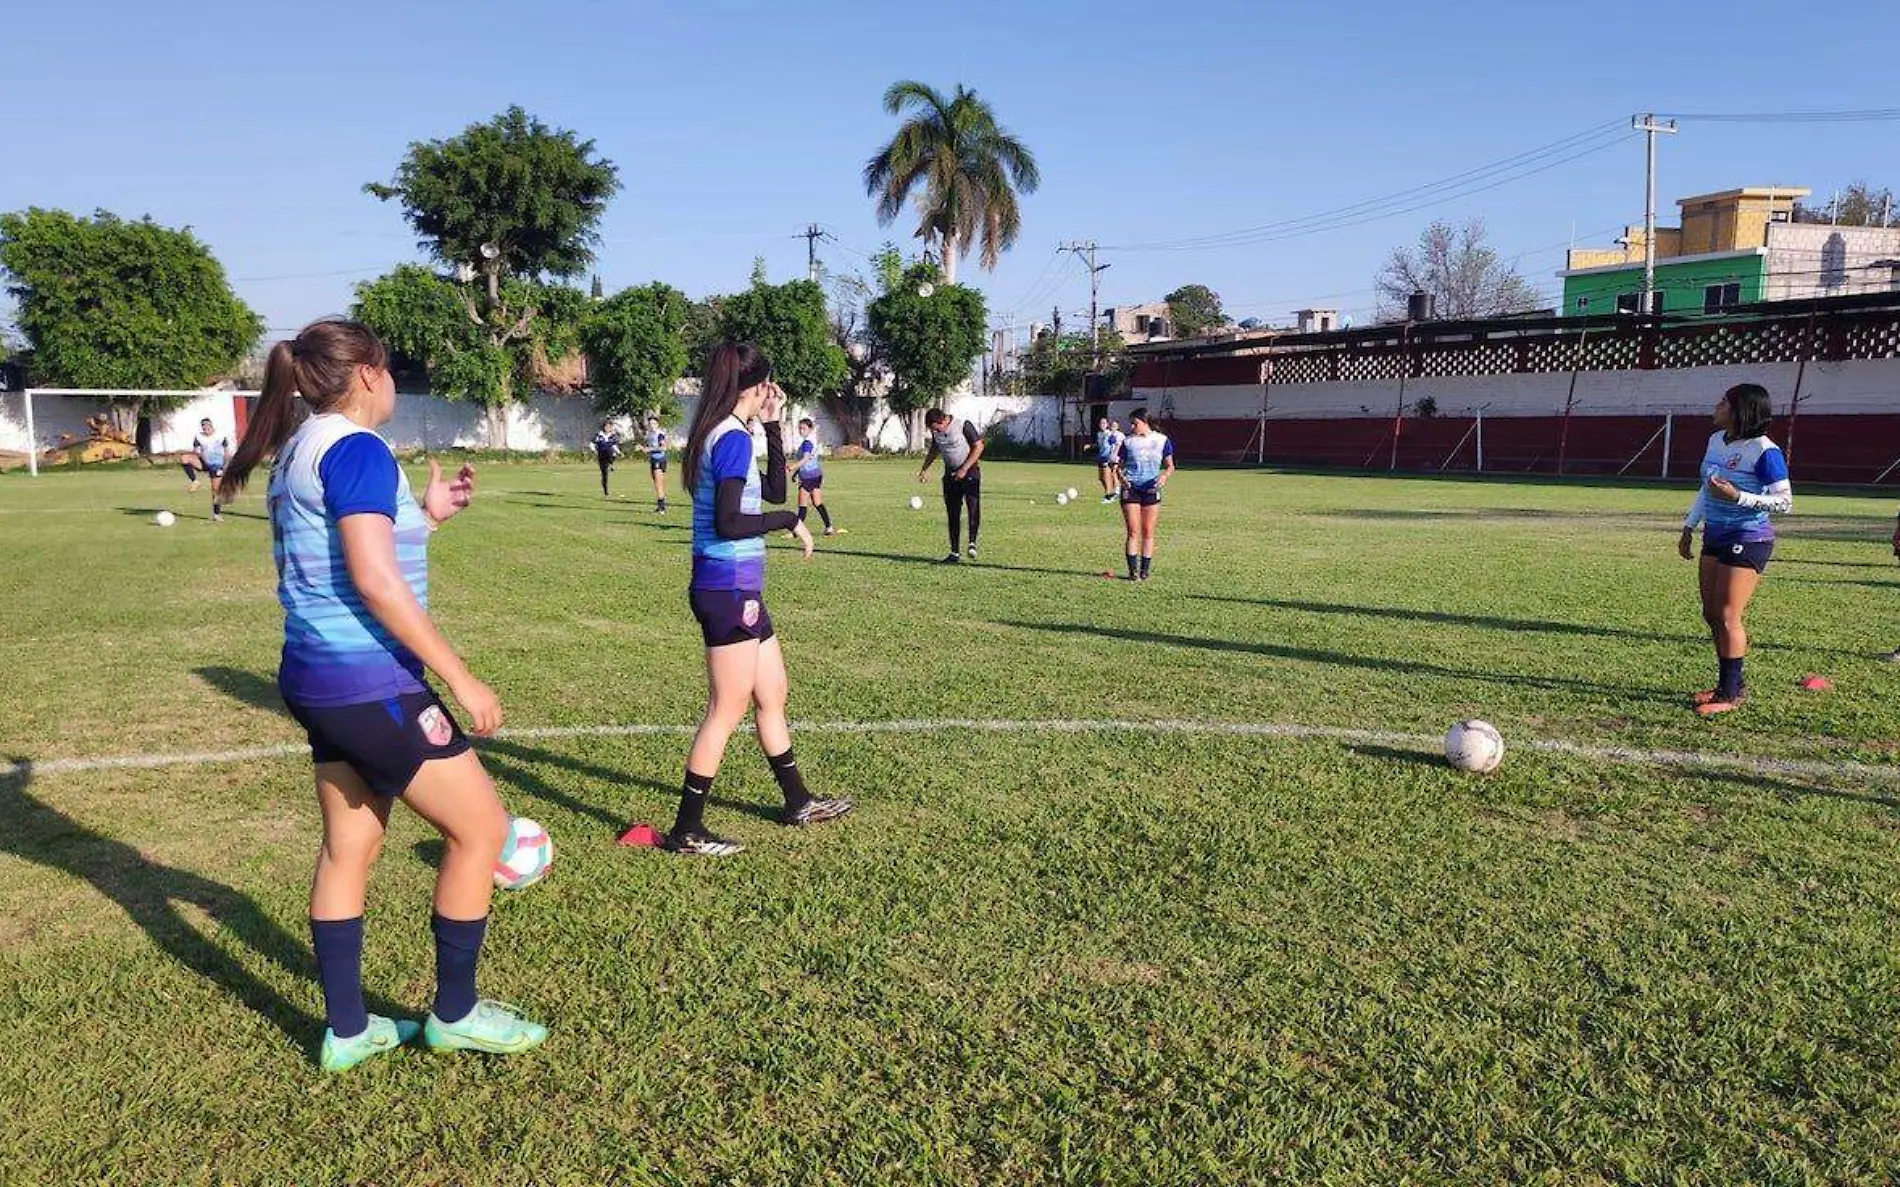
[[545, 422], [1855, 386]]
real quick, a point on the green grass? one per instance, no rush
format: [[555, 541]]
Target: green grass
[[1029, 957]]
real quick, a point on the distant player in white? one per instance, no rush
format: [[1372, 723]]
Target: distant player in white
[[1744, 481], [1147, 462], [656, 462], [209, 450], [1108, 454]]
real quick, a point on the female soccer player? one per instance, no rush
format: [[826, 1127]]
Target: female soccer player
[[209, 451], [744, 663], [1147, 462], [351, 545], [656, 462], [811, 476], [606, 449], [1744, 481], [1108, 450]]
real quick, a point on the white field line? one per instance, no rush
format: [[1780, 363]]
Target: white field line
[[1682, 759]]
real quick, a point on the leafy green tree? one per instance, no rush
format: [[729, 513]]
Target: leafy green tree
[[514, 203], [1193, 310], [787, 322], [700, 331], [968, 167], [108, 303], [929, 333], [635, 351], [1858, 205], [1059, 366]]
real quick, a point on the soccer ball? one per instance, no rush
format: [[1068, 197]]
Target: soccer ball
[[916, 503], [1474, 746], [1072, 492], [1062, 500], [526, 856], [164, 519]]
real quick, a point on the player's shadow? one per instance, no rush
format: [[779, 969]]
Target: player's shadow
[[1492, 622], [512, 764], [249, 688], [1340, 658], [148, 512], [931, 561], [1791, 560], [154, 897]]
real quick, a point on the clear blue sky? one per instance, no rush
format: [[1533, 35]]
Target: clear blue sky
[[734, 125]]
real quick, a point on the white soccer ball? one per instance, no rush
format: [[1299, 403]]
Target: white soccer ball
[[1062, 500], [1475, 746], [526, 856], [916, 503], [164, 519], [1072, 493]]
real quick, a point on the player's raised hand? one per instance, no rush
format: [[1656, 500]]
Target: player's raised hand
[[772, 404], [442, 499], [1724, 490]]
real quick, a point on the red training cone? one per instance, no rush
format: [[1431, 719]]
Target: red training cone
[[1814, 683], [643, 836]]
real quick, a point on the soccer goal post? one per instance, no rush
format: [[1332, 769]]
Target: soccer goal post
[[219, 405]]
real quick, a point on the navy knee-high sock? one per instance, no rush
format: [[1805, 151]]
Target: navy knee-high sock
[[458, 946], [1729, 676], [339, 945], [824, 513]]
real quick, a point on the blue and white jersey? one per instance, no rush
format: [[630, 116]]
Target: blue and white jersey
[[1108, 444], [335, 652], [1143, 456], [1759, 473], [607, 444], [212, 449], [809, 467], [656, 445], [727, 564]]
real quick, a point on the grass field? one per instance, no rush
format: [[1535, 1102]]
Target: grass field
[[1079, 955]]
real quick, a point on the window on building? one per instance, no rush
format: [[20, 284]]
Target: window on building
[[1141, 323], [1717, 297], [1626, 302], [1631, 302]]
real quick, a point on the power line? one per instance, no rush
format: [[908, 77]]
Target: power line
[[1861, 116]]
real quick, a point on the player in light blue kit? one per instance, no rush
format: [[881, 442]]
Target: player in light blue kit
[[1108, 457], [808, 463], [1147, 462], [656, 462], [209, 450], [351, 545], [1744, 481]]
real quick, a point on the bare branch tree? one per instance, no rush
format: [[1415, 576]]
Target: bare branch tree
[[1454, 265]]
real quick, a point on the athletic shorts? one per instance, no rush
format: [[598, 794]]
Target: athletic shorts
[[728, 616], [386, 742], [1141, 496], [192, 470], [1741, 555], [656, 465], [1104, 463], [811, 484]]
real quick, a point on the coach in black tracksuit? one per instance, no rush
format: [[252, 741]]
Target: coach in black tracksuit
[[961, 447]]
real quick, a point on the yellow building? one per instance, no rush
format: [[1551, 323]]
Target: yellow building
[[1730, 220]]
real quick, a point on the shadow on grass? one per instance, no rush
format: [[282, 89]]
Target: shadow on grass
[[249, 688], [1791, 560], [1510, 625], [1342, 659], [229, 513], [935, 561], [510, 762], [1790, 790], [1416, 758], [152, 894]]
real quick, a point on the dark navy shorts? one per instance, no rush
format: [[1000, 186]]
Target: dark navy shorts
[[728, 616], [1141, 496], [656, 464], [811, 484], [192, 470], [386, 742], [1741, 555]]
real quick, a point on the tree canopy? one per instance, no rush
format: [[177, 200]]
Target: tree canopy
[[1858, 205], [787, 322], [1456, 266], [928, 333], [1193, 310], [635, 349], [104, 302]]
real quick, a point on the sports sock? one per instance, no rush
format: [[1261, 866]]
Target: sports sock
[[791, 784], [339, 945], [1729, 679], [458, 945], [693, 794], [824, 513], [801, 513], [1134, 563], [1147, 562]]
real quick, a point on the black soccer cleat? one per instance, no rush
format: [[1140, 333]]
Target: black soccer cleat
[[700, 843], [952, 559]]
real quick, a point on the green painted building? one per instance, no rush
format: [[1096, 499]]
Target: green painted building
[[1684, 284]]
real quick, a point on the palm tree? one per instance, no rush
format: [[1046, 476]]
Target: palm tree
[[969, 167]]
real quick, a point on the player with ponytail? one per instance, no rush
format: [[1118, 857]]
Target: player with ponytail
[[351, 546]]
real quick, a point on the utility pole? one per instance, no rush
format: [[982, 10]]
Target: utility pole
[[1055, 321], [813, 234], [1084, 250], [1647, 124]]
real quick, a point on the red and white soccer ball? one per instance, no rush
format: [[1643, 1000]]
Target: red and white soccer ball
[[1474, 746], [526, 856]]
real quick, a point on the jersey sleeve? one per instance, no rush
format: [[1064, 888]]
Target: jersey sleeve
[[970, 434], [359, 477], [1167, 447], [1771, 467], [731, 457], [806, 449]]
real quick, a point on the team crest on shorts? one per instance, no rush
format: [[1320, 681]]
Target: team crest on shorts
[[749, 613], [435, 725]]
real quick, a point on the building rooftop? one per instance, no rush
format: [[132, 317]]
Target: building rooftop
[[1769, 192]]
